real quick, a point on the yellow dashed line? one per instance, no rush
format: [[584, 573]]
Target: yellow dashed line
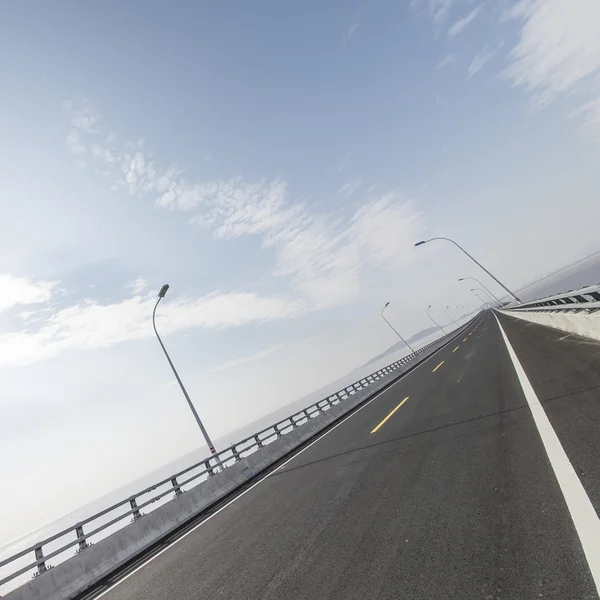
[[438, 366], [455, 349], [397, 407]]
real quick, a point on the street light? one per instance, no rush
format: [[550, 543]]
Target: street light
[[434, 321], [386, 305], [475, 261], [447, 313], [484, 287], [485, 293], [161, 295], [484, 301]]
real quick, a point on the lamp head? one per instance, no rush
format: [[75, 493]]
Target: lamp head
[[420, 243], [163, 290]]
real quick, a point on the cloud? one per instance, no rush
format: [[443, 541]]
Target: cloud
[[137, 286], [318, 255], [102, 154], [85, 117], [74, 143], [558, 52], [246, 359], [89, 324], [349, 188], [19, 291], [437, 10], [447, 60], [590, 112], [460, 25], [479, 62], [350, 32]]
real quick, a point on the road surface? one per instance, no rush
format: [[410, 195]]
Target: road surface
[[440, 487]]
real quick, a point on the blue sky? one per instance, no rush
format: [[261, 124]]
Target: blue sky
[[273, 162]]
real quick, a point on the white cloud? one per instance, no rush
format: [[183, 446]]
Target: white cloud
[[460, 25], [320, 256], [558, 52], [437, 10], [590, 112], [447, 60], [479, 62], [139, 174], [349, 188], [101, 154], [246, 359], [351, 31], [74, 143], [17, 291], [90, 324], [137, 286], [84, 118]]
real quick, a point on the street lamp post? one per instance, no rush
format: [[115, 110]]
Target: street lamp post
[[434, 321], [447, 313], [475, 261], [392, 328], [207, 439], [484, 301], [484, 293], [484, 287]]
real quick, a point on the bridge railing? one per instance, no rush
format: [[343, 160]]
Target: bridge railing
[[37, 556], [585, 299]]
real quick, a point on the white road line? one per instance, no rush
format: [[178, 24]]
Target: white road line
[[144, 564], [582, 512]]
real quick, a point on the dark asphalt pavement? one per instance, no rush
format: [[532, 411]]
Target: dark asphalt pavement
[[452, 497]]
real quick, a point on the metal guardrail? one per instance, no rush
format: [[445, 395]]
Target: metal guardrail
[[207, 467], [584, 299]]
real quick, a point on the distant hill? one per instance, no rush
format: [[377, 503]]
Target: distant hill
[[399, 345]]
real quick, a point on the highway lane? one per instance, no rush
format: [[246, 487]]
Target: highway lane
[[452, 496], [564, 369]]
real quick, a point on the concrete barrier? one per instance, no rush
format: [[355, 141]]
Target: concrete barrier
[[580, 323], [83, 570]]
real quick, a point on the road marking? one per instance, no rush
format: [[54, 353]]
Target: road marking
[[582, 511], [155, 556], [455, 349], [465, 339], [471, 333], [383, 422], [438, 366]]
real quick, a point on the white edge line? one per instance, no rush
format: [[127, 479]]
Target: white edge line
[[580, 507], [155, 556]]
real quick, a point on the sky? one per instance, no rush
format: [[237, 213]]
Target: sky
[[274, 162]]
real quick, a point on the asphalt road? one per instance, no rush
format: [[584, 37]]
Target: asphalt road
[[453, 496]]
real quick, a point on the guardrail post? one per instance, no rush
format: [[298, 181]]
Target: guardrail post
[[136, 511], [236, 454], [176, 487], [277, 432], [39, 555], [305, 411], [258, 441], [209, 469], [82, 542]]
